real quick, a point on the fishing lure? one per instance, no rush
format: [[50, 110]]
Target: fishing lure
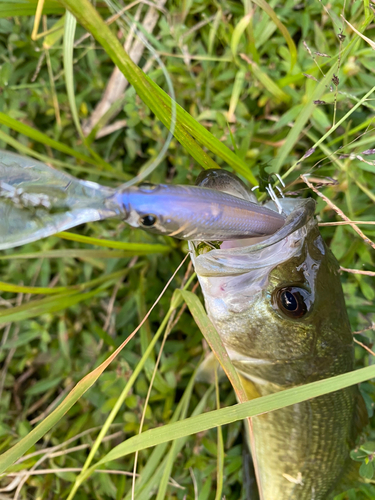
[[37, 201]]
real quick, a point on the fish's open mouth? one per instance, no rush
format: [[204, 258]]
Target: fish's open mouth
[[234, 257]]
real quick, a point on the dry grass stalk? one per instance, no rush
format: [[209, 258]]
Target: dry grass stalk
[[343, 223], [357, 271], [117, 83], [364, 347], [338, 211]]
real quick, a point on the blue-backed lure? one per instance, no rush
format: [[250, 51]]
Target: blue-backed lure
[[37, 201]]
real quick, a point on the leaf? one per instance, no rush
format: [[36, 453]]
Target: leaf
[[238, 32], [366, 470], [214, 340], [69, 31], [77, 253], [43, 385], [136, 248], [289, 40], [358, 455], [237, 412], [12, 9], [368, 447], [266, 81], [237, 89]]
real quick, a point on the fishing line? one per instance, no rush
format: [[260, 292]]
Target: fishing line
[[155, 162]]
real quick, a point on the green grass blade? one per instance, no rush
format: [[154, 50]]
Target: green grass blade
[[69, 31], [212, 337], [238, 32], [48, 305], [137, 248], [39, 290], [220, 447], [167, 470], [36, 135], [149, 92], [76, 253], [59, 302], [267, 82], [11, 9], [289, 40], [68, 47], [237, 412], [237, 89]]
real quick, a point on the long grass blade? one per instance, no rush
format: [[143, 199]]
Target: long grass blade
[[137, 248], [149, 92], [289, 40], [237, 412], [36, 135], [11, 455]]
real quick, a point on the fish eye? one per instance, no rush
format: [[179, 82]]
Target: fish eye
[[148, 220], [292, 301]]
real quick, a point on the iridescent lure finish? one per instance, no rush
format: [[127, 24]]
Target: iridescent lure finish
[[37, 200]]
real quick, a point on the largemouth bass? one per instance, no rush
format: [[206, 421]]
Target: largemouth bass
[[279, 308]]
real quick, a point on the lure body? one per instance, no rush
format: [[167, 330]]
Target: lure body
[[37, 201], [279, 308]]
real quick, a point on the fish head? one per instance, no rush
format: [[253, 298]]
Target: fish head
[[278, 303]]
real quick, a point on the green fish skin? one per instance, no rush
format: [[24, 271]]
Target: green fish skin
[[279, 308]]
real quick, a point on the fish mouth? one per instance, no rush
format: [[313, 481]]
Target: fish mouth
[[235, 257]]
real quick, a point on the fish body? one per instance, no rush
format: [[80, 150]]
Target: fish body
[[279, 308]]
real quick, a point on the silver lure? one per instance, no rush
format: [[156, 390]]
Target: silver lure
[[37, 201]]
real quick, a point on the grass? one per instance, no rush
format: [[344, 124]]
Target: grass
[[249, 74]]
